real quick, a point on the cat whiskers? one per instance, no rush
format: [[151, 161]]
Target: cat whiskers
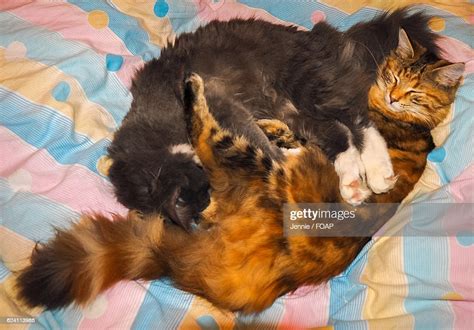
[[420, 115]]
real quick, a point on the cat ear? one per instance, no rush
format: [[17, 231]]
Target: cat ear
[[448, 75], [404, 48]]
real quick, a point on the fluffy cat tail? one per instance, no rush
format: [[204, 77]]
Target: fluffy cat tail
[[80, 263]]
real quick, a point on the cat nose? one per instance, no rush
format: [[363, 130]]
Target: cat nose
[[395, 95], [393, 99]]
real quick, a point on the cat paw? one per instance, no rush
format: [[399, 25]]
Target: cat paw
[[377, 162], [355, 192], [194, 99], [380, 178], [278, 133], [351, 172], [195, 83]]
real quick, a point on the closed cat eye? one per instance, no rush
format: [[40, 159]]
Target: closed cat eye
[[397, 80], [416, 100], [415, 95], [419, 99], [390, 77]]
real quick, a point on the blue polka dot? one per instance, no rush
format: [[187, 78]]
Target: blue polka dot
[[207, 322], [437, 155], [61, 91], [465, 238], [147, 56], [113, 62], [161, 8]]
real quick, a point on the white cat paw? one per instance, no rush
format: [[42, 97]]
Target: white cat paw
[[377, 163], [355, 193], [351, 172], [380, 178]]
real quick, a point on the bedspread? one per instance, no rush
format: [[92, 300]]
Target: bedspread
[[65, 73]]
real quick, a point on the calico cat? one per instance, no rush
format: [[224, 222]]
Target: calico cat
[[316, 82], [243, 262]]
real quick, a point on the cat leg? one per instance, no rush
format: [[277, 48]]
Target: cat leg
[[376, 161], [203, 129], [236, 117], [335, 140], [350, 169], [349, 166], [221, 152], [279, 133]]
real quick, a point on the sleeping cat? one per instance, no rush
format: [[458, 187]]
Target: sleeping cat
[[316, 82], [243, 262]]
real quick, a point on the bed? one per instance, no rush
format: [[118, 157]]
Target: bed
[[65, 71]]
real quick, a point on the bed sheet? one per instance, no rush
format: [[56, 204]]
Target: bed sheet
[[65, 72]]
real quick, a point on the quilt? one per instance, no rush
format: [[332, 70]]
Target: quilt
[[65, 72]]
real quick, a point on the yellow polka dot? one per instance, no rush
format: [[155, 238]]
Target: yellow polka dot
[[437, 24], [98, 19], [103, 165], [452, 296]]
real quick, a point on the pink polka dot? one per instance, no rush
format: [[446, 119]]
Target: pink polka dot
[[15, 51], [470, 19], [317, 16]]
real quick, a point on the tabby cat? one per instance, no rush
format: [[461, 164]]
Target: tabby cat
[[243, 262], [316, 82]]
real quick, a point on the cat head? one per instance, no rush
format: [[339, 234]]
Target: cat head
[[184, 191], [174, 185], [415, 87]]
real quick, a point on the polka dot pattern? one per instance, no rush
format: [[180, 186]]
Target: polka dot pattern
[[96, 309], [437, 24], [14, 51], [113, 62], [465, 238], [20, 180], [215, 4], [103, 165], [161, 8], [98, 19], [61, 91], [317, 16], [452, 296], [207, 322], [437, 155]]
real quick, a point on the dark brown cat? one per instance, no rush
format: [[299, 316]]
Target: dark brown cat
[[243, 262]]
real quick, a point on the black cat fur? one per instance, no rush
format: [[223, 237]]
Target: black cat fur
[[252, 69]]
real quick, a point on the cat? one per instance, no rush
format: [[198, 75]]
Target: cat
[[242, 261], [316, 82]]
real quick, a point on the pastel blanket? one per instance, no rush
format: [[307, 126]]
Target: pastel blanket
[[65, 73]]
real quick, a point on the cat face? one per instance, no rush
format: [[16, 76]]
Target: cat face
[[414, 87], [179, 191], [181, 194]]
